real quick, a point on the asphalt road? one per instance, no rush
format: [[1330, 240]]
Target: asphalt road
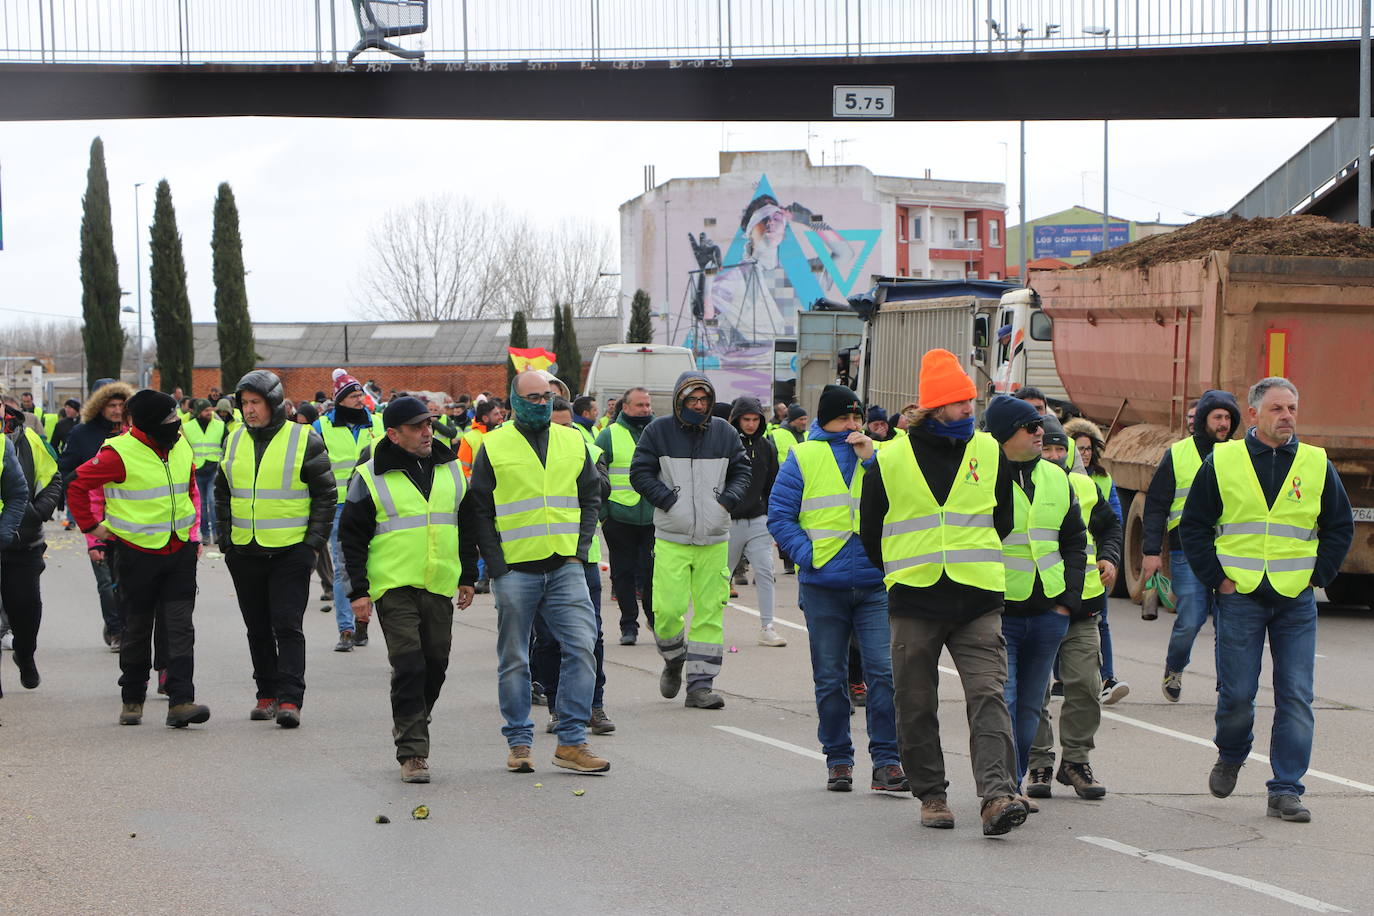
[[712, 811]]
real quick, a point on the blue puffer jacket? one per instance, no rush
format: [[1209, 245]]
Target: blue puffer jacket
[[850, 568]]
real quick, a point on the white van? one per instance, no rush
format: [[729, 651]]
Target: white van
[[616, 367]]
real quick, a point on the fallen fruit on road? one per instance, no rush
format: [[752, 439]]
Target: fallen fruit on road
[[420, 813], [579, 791], [382, 819]]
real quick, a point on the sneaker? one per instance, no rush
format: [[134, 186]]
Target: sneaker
[[360, 633], [131, 714], [601, 724], [1288, 807], [265, 711], [28, 671], [288, 715], [733, 593], [1057, 688], [414, 769], [1080, 777], [889, 778], [670, 681], [7, 642], [1001, 814], [627, 639], [184, 714], [345, 643], [858, 694], [935, 813], [769, 637], [1038, 782], [1173, 685], [1222, 781], [740, 579], [553, 724], [326, 596], [518, 759], [704, 698], [162, 682], [537, 695], [839, 778], [326, 608], [116, 642], [579, 757], [1113, 691]]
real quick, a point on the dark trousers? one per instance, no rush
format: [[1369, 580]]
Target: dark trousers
[[418, 628], [546, 654], [157, 587], [273, 592], [632, 568], [19, 574]]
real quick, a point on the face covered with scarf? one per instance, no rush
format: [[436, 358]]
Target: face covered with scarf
[[155, 415], [14, 418], [533, 415]]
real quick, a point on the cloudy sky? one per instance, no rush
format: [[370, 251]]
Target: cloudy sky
[[307, 190]]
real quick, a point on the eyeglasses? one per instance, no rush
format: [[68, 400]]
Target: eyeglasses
[[538, 397], [1085, 449], [701, 400], [1034, 426]]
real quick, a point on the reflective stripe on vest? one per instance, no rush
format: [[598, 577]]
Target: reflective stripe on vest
[[1032, 548], [205, 443], [1255, 540], [538, 514], [44, 467], [594, 550], [622, 453], [154, 500], [829, 509], [344, 451], [268, 503], [415, 543], [1088, 494], [1186, 463], [922, 539]]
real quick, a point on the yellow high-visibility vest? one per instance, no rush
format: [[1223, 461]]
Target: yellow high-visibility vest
[[1088, 495], [829, 509], [154, 501], [207, 445], [268, 503], [622, 453], [1186, 463], [1032, 547], [416, 540], [538, 513]]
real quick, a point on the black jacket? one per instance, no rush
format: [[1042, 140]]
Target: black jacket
[[1160, 497], [762, 453], [1197, 528], [61, 431], [481, 494], [316, 473], [939, 459], [41, 502], [83, 442], [358, 521]]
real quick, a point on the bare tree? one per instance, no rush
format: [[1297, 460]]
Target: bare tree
[[579, 252]]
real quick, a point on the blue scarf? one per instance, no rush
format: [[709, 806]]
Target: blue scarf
[[959, 430]]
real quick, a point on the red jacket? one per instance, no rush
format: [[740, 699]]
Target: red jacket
[[108, 467]]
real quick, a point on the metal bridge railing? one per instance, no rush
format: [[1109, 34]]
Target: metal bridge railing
[[476, 31]]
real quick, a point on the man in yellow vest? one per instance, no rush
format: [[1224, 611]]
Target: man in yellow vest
[[206, 432], [791, 431], [151, 510], [629, 524], [932, 515], [537, 497], [1217, 417], [1080, 651], [584, 412], [407, 537], [1266, 519], [276, 499]]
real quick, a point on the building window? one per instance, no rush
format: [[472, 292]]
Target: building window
[[951, 227], [994, 233], [971, 228], [915, 233], [994, 276]]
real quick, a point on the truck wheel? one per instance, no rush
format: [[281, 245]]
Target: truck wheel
[[1122, 589], [1132, 538], [1351, 589]]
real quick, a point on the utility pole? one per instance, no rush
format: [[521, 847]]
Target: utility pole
[[1105, 218], [138, 270], [1025, 225], [1363, 193]]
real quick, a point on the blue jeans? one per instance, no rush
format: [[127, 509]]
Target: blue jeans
[[1291, 624], [205, 483], [832, 615], [1195, 603], [1104, 635], [561, 599], [545, 652], [343, 609], [1032, 643]]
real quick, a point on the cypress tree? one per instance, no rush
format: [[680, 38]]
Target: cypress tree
[[234, 326], [519, 339], [641, 329], [101, 333], [171, 305], [565, 348]]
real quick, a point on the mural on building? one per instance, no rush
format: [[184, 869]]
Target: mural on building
[[780, 259]]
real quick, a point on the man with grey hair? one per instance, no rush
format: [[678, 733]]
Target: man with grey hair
[[1266, 520]]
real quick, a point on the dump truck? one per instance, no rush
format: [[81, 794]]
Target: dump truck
[[1135, 346]]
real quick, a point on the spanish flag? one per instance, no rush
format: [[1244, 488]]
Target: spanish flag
[[532, 358]]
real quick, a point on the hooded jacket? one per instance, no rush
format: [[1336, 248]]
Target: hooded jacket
[[86, 438], [1082, 426], [1160, 496], [694, 474], [851, 567], [763, 460]]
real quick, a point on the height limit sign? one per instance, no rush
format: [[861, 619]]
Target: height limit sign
[[863, 102]]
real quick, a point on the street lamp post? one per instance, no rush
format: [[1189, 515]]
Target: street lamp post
[[138, 268]]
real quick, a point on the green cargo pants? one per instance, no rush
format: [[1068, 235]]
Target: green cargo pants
[[700, 576], [1080, 668], [418, 627]]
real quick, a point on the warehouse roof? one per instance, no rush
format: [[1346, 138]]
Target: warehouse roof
[[396, 343]]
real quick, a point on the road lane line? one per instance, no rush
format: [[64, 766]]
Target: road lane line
[[774, 742], [1249, 884], [778, 620]]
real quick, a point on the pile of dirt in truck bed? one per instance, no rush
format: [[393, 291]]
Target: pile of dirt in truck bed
[[1309, 236]]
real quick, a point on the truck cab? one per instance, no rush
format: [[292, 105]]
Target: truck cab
[[1025, 348]]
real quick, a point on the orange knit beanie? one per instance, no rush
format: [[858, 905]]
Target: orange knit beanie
[[943, 381]]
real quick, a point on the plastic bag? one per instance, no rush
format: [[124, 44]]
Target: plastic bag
[[1158, 590]]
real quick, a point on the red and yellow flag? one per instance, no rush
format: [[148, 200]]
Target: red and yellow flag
[[531, 358]]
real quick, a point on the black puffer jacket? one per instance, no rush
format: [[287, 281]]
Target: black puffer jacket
[[763, 460], [316, 473], [41, 502]]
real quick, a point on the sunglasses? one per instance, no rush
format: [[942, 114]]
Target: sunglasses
[[1034, 426]]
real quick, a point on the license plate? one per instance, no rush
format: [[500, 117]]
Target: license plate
[[1364, 513]]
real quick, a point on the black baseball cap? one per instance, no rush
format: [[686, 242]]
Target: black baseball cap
[[405, 411]]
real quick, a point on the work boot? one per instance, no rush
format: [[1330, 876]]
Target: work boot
[[345, 643], [360, 633], [1222, 782], [579, 758], [839, 778], [131, 714], [1080, 777], [518, 759], [1038, 782], [670, 681], [704, 698], [184, 714], [889, 778], [265, 711], [1288, 807], [935, 813], [601, 723], [28, 671], [288, 715], [414, 769], [1001, 814]]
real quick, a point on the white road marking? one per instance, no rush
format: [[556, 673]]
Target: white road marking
[[774, 742], [778, 620], [1259, 887]]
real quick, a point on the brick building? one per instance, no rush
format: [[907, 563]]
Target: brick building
[[456, 357]]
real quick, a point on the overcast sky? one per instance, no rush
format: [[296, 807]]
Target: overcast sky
[[308, 189]]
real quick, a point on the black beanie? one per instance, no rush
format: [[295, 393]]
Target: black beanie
[[1054, 433], [837, 401], [1005, 415], [149, 409], [795, 412]]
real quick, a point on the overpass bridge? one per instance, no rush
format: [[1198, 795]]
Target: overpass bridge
[[755, 60]]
